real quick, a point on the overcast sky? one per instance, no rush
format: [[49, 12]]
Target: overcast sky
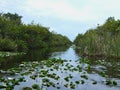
[[67, 17]]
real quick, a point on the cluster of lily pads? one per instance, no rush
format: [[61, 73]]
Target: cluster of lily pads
[[10, 83], [52, 73]]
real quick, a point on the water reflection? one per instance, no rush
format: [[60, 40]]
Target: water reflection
[[9, 62], [33, 55], [69, 54], [110, 68]]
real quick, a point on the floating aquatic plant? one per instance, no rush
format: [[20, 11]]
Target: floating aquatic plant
[[66, 85], [77, 82], [70, 76], [45, 80], [51, 76], [94, 82], [26, 88], [82, 81], [84, 76], [2, 86], [66, 79], [108, 82], [102, 74], [72, 85], [114, 83], [35, 86], [79, 68]]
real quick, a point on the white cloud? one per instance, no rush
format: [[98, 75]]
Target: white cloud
[[79, 10], [60, 9], [86, 12], [92, 10]]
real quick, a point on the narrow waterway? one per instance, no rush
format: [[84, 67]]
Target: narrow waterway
[[69, 54], [68, 71], [112, 73]]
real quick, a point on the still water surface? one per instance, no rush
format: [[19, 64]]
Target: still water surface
[[111, 69]]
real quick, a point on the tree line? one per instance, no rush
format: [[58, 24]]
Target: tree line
[[17, 36], [103, 41]]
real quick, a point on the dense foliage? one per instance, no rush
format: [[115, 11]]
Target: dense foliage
[[101, 41], [16, 36]]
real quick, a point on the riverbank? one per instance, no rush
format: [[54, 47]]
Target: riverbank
[[102, 41], [15, 36]]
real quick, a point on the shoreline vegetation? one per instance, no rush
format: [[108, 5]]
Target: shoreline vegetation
[[101, 42], [35, 70], [7, 54], [15, 36]]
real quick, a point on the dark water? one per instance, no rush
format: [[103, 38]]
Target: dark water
[[33, 55], [110, 68]]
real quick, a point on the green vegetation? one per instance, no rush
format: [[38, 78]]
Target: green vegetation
[[35, 86], [39, 72], [17, 36], [26, 88], [54, 73], [6, 54], [103, 41]]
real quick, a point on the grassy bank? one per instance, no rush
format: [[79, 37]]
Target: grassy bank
[[103, 41]]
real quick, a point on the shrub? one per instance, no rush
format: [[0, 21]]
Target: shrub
[[7, 45], [21, 46]]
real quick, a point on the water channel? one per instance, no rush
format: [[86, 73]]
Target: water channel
[[101, 76]]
